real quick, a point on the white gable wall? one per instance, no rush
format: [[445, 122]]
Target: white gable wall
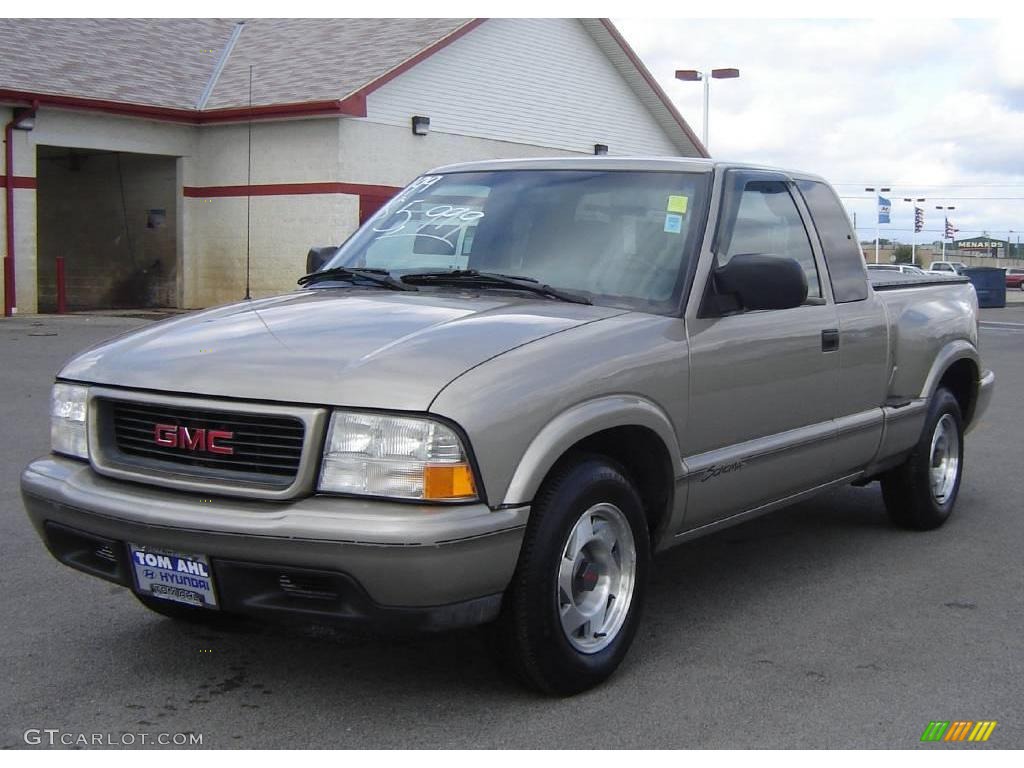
[[529, 81]]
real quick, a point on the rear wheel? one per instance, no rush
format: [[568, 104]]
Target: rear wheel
[[921, 492], [570, 614]]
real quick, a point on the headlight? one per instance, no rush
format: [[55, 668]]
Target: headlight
[[405, 458], [68, 413]]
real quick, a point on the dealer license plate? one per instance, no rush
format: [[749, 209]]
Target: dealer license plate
[[173, 576]]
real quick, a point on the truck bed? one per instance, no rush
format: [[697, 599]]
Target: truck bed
[[890, 281], [926, 316]]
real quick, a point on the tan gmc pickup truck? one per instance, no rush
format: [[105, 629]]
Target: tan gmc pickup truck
[[501, 395]]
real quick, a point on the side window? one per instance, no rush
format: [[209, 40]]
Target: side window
[[843, 256], [768, 221]]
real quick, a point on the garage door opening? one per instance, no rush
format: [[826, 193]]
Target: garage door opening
[[112, 218]]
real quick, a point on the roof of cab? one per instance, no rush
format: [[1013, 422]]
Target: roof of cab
[[604, 162]]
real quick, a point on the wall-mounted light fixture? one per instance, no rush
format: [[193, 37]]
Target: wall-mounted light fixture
[[24, 119], [420, 125], [600, 149]]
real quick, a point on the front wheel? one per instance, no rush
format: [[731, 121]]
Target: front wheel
[[921, 492], [574, 604]]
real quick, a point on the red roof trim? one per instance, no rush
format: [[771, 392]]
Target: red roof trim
[[426, 53], [301, 188], [19, 182], [631, 54], [137, 110], [353, 106]]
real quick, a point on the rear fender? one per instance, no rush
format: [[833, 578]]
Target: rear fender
[[958, 349]]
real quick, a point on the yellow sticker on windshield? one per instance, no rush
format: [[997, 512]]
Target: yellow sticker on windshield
[[677, 203]]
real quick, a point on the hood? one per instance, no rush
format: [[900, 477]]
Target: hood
[[352, 347]]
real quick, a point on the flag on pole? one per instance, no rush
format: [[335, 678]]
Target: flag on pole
[[950, 230], [918, 219], [884, 206]]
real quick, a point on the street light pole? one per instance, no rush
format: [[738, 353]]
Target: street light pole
[[706, 76], [707, 110]]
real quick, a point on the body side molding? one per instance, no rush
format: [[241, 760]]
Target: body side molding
[[750, 514]]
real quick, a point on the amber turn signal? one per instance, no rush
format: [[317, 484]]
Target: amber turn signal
[[446, 482]]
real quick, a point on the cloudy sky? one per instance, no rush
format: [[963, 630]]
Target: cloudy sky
[[933, 109]]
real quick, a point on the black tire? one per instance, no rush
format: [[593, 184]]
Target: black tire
[[187, 613], [907, 489], [530, 635]]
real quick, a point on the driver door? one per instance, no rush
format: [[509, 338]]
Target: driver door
[[762, 383]]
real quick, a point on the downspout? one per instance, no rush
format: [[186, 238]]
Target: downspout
[[17, 115], [9, 302]]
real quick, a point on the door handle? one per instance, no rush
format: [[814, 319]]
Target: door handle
[[830, 340]]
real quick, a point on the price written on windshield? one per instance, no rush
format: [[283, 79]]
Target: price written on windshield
[[441, 221]]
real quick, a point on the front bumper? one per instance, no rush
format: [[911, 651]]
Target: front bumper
[[376, 561]]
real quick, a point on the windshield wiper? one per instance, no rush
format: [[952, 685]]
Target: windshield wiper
[[379, 277], [492, 280]]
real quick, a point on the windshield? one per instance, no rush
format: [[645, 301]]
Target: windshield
[[621, 238]]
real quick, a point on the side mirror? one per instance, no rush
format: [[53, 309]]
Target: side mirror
[[760, 281], [317, 257]]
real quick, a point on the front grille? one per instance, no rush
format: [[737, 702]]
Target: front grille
[[266, 450]]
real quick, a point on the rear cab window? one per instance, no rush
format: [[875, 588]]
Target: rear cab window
[[843, 257]]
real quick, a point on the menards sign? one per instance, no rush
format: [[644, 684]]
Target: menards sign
[[979, 243]]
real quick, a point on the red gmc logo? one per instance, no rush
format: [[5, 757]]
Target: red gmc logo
[[204, 440]]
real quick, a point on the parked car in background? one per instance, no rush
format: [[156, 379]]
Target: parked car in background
[[501, 396], [906, 269], [956, 267], [1015, 278]]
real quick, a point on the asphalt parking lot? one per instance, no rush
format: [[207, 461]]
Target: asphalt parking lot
[[818, 626]]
